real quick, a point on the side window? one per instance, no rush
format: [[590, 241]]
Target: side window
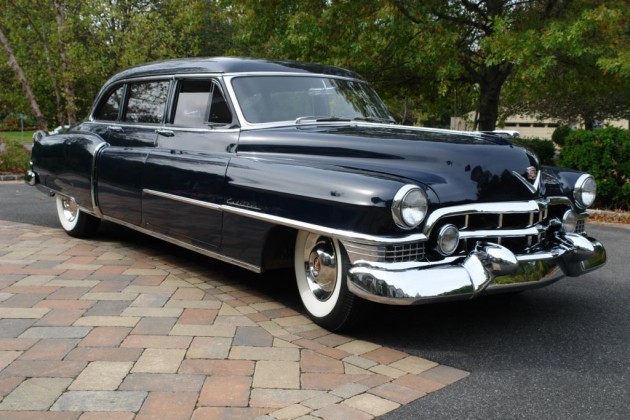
[[201, 103], [108, 109], [146, 102], [192, 102], [219, 109]]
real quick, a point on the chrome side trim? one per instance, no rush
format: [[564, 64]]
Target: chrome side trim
[[95, 208], [203, 251], [269, 218], [334, 233], [185, 200]]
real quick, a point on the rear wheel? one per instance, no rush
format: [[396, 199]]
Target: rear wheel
[[75, 222], [320, 270]]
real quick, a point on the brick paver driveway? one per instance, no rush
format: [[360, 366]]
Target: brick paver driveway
[[107, 329]]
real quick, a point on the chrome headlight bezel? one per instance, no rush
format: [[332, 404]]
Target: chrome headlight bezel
[[409, 207], [585, 191]]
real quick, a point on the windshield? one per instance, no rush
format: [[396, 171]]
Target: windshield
[[265, 99]]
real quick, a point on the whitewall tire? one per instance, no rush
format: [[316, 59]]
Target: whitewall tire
[[320, 271], [74, 221]]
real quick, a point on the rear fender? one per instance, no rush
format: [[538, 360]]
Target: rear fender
[[65, 164]]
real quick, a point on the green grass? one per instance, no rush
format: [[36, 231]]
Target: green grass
[[26, 137]]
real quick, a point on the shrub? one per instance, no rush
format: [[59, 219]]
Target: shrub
[[560, 134], [544, 149], [14, 159], [605, 154]]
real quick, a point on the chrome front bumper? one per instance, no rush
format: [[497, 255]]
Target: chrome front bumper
[[490, 268]]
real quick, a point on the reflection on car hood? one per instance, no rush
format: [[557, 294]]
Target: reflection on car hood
[[459, 167]]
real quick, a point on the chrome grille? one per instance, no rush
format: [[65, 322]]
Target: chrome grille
[[580, 227], [405, 252], [518, 231]]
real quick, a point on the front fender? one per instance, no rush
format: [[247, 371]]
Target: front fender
[[330, 196]]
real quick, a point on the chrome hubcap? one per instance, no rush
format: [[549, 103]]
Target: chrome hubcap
[[70, 209], [320, 263]]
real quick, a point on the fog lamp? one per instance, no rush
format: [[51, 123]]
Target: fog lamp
[[448, 240], [569, 221]]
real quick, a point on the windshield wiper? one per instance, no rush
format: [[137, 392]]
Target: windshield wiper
[[319, 119]]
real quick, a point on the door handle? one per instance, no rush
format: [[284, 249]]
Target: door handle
[[115, 128], [165, 133]]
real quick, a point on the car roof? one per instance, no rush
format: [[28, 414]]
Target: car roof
[[227, 65]]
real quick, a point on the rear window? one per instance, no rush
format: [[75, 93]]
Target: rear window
[[110, 106]]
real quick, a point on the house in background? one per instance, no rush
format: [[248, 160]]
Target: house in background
[[527, 126]]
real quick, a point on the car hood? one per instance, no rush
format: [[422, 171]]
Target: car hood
[[460, 168]]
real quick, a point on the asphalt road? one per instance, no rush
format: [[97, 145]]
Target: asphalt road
[[562, 352]]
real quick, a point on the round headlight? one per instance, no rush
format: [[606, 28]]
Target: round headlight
[[409, 207], [448, 240], [569, 221], [585, 191]]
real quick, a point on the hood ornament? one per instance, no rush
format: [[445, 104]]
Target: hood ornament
[[533, 179], [531, 173]]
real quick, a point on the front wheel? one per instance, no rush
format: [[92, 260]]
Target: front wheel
[[320, 271], [75, 222]]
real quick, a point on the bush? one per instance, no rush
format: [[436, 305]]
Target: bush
[[14, 159], [560, 134], [544, 149], [605, 154]]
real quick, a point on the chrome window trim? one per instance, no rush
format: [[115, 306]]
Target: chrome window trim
[[200, 129], [166, 78]]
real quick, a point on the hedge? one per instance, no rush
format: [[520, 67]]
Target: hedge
[[544, 149], [605, 154], [14, 159]]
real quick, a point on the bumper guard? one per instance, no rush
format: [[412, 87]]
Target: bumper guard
[[489, 268]]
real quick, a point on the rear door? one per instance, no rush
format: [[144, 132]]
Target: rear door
[[131, 138]]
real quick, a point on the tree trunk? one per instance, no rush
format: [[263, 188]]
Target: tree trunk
[[491, 80], [68, 85], [15, 66]]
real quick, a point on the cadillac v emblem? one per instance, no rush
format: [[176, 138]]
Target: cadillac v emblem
[[531, 173], [533, 179]]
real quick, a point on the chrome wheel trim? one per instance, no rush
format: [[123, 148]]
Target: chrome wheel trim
[[68, 212], [320, 266], [317, 270]]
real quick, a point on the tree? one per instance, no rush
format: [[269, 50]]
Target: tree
[[68, 48], [576, 70], [439, 58], [15, 66]]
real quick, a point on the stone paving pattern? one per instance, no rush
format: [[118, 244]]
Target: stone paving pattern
[[103, 329]]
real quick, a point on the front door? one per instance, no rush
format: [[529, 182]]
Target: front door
[[184, 175]]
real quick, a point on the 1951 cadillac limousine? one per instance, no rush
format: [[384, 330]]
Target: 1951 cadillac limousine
[[271, 165]]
